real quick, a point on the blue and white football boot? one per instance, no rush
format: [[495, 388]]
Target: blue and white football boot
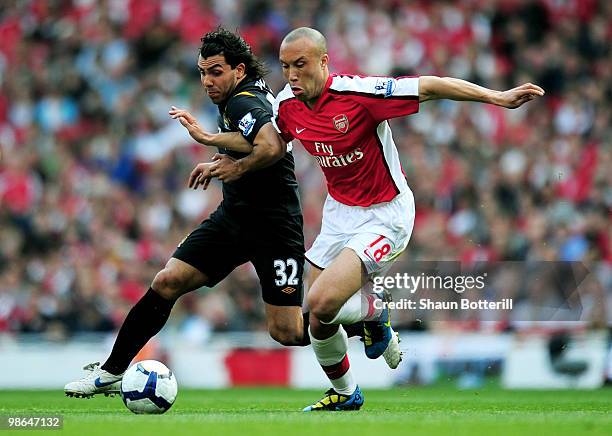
[[380, 339], [333, 401], [97, 381]]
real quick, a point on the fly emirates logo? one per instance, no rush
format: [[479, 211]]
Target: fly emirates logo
[[327, 158]]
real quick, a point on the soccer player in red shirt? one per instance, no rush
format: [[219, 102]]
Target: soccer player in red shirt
[[369, 211]]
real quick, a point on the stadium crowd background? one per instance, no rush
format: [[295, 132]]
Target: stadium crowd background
[[93, 172]]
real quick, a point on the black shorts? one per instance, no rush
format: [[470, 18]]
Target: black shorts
[[273, 244]]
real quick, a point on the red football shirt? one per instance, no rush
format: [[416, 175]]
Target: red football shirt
[[348, 134]]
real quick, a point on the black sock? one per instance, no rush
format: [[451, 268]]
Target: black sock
[[355, 329], [305, 335], [143, 322]]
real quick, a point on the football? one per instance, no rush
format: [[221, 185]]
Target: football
[[149, 387]]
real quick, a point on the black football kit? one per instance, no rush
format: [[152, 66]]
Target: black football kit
[[260, 217]]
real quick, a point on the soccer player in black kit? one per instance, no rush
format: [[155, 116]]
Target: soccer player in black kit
[[258, 221]]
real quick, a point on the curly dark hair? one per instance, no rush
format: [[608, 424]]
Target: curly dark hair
[[234, 49]]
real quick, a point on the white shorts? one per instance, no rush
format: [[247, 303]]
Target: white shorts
[[378, 234]]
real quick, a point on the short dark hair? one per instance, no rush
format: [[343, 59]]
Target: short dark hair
[[235, 50]]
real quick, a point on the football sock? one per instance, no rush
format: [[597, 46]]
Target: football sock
[[331, 355], [352, 330], [360, 307], [305, 335], [143, 322]]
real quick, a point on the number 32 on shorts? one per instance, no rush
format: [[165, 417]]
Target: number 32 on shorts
[[286, 271]]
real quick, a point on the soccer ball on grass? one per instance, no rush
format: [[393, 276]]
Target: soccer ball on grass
[[148, 387]]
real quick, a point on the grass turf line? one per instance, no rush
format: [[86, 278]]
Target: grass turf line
[[263, 411]]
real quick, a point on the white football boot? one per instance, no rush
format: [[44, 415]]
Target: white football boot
[[97, 381]]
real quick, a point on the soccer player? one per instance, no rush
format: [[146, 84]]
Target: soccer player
[[369, 212], [259, 219]]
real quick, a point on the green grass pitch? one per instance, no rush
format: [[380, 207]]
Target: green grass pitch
[[271, 411]]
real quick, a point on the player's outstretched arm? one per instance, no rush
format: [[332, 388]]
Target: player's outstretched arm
[[268, 148], [230, 140], [433, 88]]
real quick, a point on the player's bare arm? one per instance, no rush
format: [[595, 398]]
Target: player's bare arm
[[268, 148], [434, 88], [229, 140]]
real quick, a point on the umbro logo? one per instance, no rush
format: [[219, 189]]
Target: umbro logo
[[288, 290], [298, 131]]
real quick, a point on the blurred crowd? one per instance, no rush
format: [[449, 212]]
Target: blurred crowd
[[93, 196]]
